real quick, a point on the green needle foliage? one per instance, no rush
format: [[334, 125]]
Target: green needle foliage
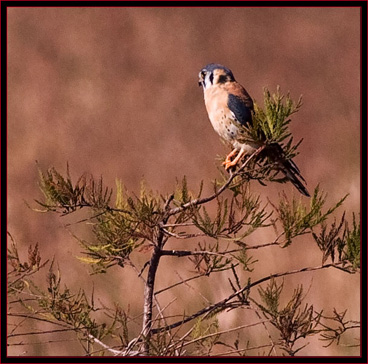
[[271, 123], [297, 219], [60, 192], [340, 241], [352, 252], [293, 321]]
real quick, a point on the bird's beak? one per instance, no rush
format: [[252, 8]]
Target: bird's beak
[[201, 79]]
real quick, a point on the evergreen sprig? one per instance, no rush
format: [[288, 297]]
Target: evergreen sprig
[[293, 321], [61, 194], [297, 219], [271, 123], [335, 326], [351, 250]]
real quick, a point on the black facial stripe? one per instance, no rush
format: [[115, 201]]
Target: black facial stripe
[[211, 78]]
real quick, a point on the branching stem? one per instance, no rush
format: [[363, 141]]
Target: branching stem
[[147, 330], [222, 304], [200, 201], [150, 282]]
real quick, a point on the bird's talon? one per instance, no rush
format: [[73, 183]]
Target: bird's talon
[[228, 160], [230, 165]]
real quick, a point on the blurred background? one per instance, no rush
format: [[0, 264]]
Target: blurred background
[[114, 92]]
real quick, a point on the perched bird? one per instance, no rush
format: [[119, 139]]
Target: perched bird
[[229, 109]]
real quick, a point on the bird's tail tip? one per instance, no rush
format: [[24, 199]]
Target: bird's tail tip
[[295, 178], [288, 167], [300, 187]]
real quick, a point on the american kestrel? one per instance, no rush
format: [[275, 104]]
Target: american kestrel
[[229, 109]]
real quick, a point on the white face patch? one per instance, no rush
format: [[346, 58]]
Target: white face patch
[[207, 80], [206, 83]]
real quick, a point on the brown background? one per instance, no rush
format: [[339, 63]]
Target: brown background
[[114, 92]]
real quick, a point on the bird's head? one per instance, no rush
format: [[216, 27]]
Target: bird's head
[[214, 74]]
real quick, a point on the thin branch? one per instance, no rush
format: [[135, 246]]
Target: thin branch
[[67, 328], [224, 332], [275, 242], [344, 269], [180, 282], [26, 274], [113, 351], [80, 206], [223, 303], [185, 236], [200, 201], [41, 342], [227, 353], [39, 332], [273, 345], [86, 219], [249, 247], [185, 253], [199, 293], [179, 224], [38, 319]]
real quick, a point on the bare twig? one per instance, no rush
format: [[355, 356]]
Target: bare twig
[[41, 342], [106, 347], [223, 303], [180, 282], [273, 345], [179, 224], [183, 236], [39, 332], [230, 352], [200, 201], [185, 253], [223, 332]]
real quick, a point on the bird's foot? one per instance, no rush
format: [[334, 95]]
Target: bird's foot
[[229, 165], [229, 162]]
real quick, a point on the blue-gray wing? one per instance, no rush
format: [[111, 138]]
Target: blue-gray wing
[[241, 107]]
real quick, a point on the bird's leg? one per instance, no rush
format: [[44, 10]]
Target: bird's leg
[[230, 163]]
